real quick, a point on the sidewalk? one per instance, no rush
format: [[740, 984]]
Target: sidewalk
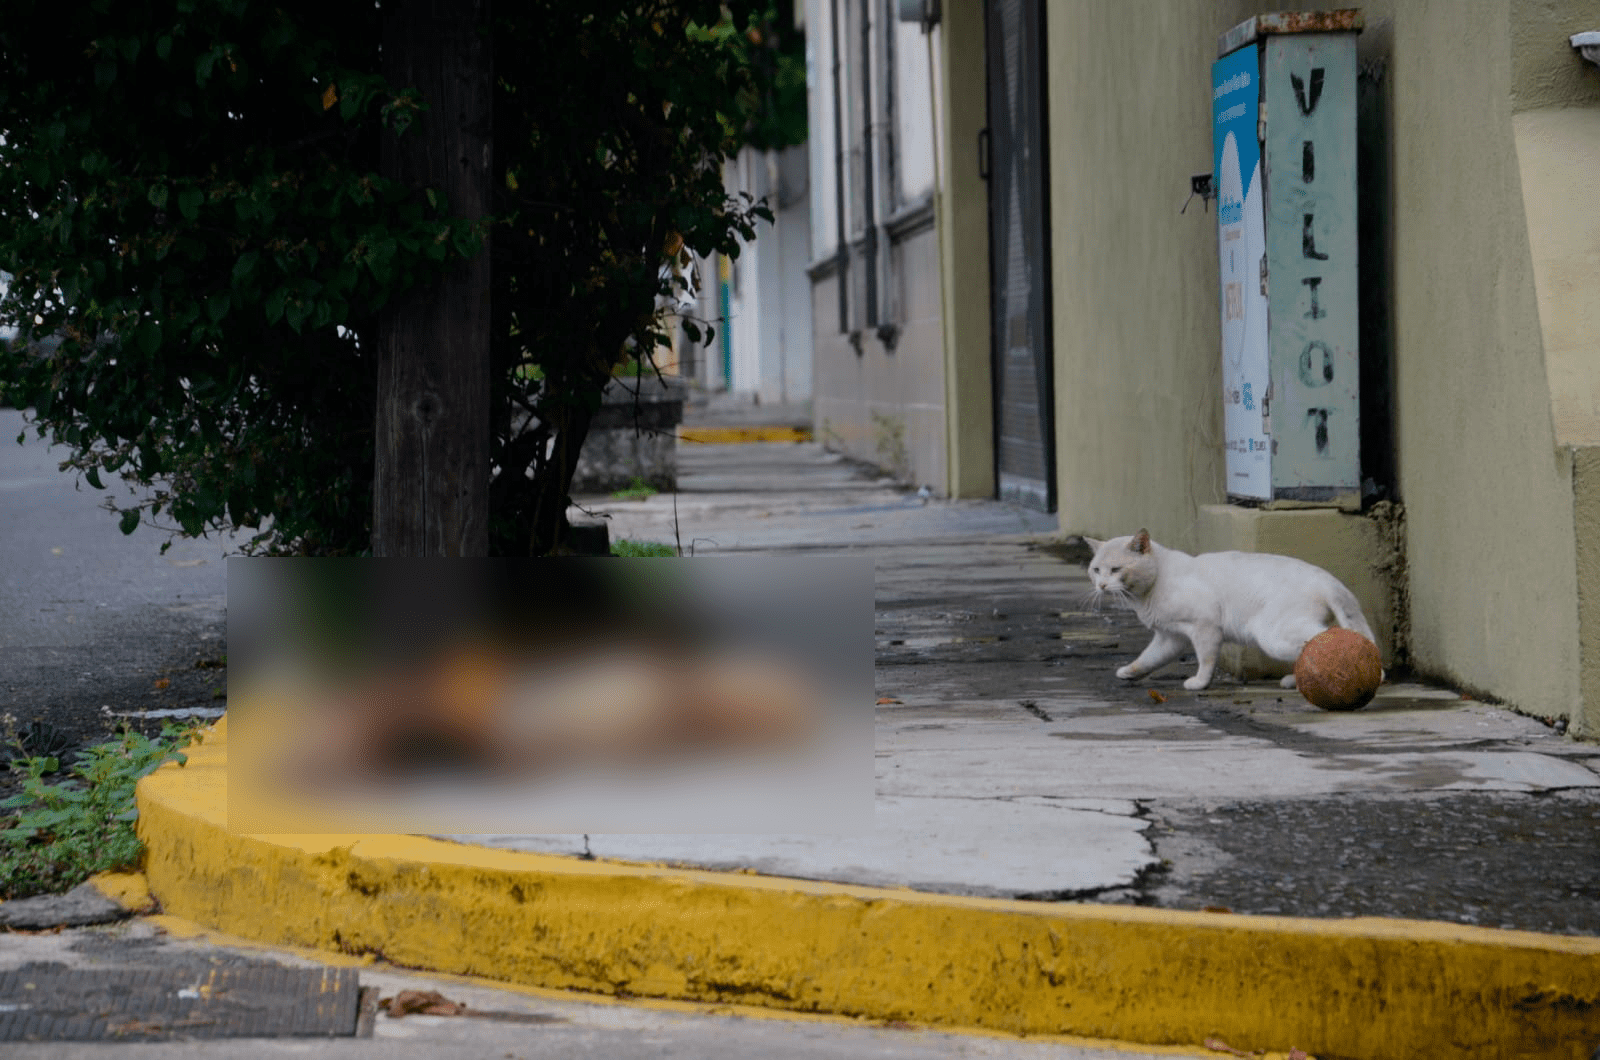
[[1012, 765]]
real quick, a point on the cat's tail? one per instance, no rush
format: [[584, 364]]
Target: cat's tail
[[1347, 612]]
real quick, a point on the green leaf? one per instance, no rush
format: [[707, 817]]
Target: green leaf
[[245, 266], [217, 306], [130, 521], [274, 306], [93, 478], [158, 196], [189, 200], [163, 46], [148, 336], [466, 241], [296, 313]]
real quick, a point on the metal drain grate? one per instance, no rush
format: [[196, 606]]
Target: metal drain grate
[[52, 1002]]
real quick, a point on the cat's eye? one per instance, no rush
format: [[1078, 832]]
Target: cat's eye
[[1114, 570]]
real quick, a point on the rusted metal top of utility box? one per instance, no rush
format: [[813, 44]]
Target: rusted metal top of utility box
[[1344, 21]]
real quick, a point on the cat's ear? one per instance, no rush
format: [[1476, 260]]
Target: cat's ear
[[1141, 541], [1093, 542]]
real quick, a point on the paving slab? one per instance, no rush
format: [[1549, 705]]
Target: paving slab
[[954, 845], [84, 904]]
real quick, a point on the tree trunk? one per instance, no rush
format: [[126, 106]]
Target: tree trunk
[[550, 506], [431, 477]]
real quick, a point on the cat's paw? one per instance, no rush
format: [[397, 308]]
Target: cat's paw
[[1128, 672], [1196, 683], [1287, 682]]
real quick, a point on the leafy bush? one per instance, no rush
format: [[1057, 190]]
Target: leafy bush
[[191, 197], [59, 834]]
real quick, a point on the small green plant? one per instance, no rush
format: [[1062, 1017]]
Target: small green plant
[[641, 549], [56, 835], [889, 434], [638, 490]]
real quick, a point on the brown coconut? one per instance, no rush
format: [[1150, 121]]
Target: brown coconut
[[1339, 670]]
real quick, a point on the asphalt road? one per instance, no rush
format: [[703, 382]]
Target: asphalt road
[[98, 628]]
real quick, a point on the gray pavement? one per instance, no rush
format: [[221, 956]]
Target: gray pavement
[[1012, 762]]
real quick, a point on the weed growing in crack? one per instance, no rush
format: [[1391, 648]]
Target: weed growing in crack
[[55, 835]]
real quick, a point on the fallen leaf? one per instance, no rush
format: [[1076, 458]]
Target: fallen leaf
[[1215, 909], [886, 699], [1157, 696], [1217, 1045], [423, 1003], [330, 97], [163, 682], [1298, 1054]]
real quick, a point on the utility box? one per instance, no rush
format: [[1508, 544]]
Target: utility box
[[1284, 140]]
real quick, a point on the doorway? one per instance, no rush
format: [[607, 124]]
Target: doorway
[[1015, 161]]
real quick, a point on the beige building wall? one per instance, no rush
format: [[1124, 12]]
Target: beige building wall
[[963, 208], [1492, 302], [1555, 102], [1490, 531], [883, 404], [879, 387], [1137, 340]]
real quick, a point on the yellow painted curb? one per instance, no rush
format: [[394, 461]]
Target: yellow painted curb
[[128, 889], [178, 927], [743, 435], [1353, 988]]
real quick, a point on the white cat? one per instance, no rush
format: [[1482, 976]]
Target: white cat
[[1273, 603]]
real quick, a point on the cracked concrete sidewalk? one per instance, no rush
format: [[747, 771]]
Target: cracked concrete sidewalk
[[1011, 761]]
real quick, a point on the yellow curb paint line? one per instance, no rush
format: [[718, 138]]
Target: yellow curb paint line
[[1359, 987], [180, 928], [743, 435]]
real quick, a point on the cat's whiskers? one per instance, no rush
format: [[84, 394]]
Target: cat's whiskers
[[1096, 597]]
